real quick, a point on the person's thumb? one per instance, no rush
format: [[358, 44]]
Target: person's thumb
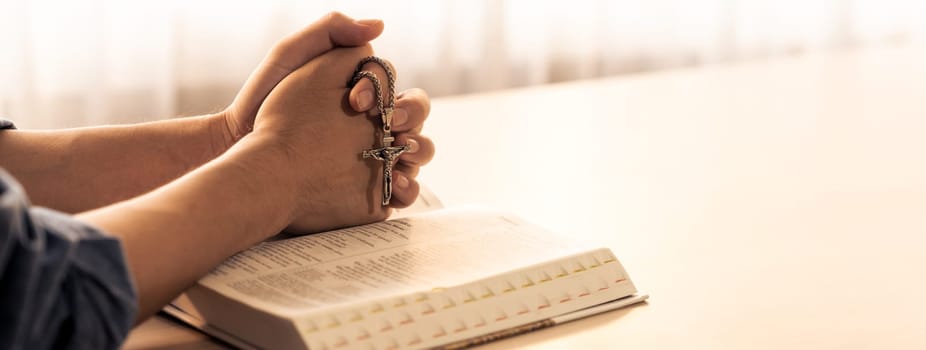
[[345, 31]]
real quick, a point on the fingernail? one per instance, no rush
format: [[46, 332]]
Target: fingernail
[[365, 99], [401, 181], [368, 22], [412, 146], [399, 118]]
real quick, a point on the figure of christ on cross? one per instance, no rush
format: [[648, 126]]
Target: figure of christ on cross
[[386, 154]]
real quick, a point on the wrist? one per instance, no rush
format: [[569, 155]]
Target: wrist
[[268, 165], [220, 132]]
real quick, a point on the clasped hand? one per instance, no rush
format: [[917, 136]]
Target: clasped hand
[[320, 127]]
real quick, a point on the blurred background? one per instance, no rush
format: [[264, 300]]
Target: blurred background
[[88, 62]]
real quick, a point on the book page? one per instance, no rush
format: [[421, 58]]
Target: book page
[[416, 253], [425, 202]]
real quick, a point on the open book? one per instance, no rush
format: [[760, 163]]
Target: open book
[[445, 278]]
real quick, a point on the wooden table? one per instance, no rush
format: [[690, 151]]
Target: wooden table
[[768, 205]]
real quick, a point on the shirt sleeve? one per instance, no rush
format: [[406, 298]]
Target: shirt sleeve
[[6, 124], [63, 283]]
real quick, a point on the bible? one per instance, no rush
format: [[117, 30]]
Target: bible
[[440, 279]]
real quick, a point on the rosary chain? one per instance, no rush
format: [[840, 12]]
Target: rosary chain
[[385, 108]]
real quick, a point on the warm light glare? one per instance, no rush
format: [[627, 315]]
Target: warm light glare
[[106, 59]]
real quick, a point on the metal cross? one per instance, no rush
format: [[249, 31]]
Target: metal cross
[[387, 153]]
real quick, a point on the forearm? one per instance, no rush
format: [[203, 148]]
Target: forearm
[[75, 170], [177, 233]]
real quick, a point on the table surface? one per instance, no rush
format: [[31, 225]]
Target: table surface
[[767, 205]]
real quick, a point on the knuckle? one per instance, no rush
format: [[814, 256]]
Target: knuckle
[[421, 93], [282, 48], [364, 50], [410, 171], [334, 16], [391, 66], [416, 103], [419, 98]]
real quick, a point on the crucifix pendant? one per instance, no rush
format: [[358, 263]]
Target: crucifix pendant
[[387, 153]]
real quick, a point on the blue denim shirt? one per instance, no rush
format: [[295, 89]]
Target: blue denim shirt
[[63, 283]]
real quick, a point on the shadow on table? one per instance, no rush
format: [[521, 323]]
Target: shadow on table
[[562, 330]]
